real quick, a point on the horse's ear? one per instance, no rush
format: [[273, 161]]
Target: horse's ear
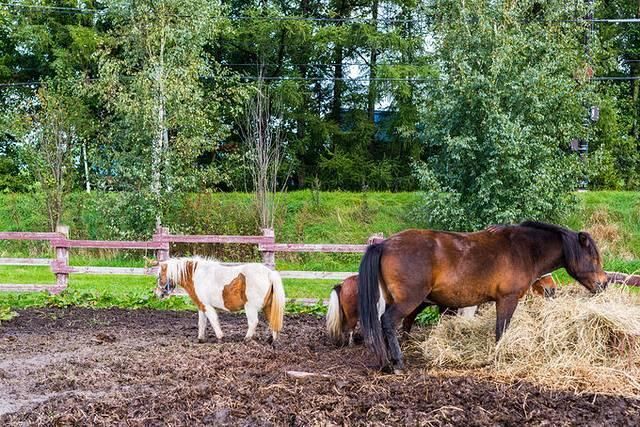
[[150, 262], [583, 238]]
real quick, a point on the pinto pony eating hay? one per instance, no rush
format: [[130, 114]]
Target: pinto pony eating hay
[[212, 285]]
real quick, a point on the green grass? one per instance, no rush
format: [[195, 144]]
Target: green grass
[[327, 217], [623, 208]]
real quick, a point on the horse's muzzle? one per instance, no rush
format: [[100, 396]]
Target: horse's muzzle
[[599, 287]]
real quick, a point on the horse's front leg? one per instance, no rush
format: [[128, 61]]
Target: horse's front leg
[[505, 306], [202, 326], [211, 314], [252, 321]]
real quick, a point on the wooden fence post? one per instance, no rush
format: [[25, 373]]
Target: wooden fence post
[[375, 238], [269, 257], [62, 261], [160, 234]]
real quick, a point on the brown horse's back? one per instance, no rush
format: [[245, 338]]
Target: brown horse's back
[[452, 269]]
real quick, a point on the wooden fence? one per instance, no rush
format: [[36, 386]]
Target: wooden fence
[[160, 243]]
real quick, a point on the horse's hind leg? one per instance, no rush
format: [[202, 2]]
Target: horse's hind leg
[[211, 314], [202, 326], [252, 321], [389, 320]]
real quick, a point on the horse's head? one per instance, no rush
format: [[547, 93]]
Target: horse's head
[[583, 261], [165, 285]]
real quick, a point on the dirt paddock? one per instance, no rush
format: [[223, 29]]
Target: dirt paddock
[[142, 367]]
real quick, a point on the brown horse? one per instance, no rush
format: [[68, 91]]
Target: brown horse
[[342, 312], [465, 269]]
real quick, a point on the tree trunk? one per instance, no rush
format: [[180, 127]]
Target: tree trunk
[[342, 11], [161, 142], [372, 95], [86, 168], [635, 89], [635, 96], [337, 84]]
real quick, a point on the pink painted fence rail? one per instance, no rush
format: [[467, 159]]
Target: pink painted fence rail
[[160, 243]]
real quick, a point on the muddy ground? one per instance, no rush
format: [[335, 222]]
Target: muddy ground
[[87, 367]]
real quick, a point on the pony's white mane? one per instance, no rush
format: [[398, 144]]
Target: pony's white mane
[[177, 267]]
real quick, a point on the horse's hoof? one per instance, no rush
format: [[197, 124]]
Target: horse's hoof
[[398, 371], [386, 369], [202, 340]]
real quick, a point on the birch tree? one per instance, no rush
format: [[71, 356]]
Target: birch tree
[[59, 123], [153, 69]]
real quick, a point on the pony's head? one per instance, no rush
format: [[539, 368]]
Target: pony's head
[[581, 256], [164, 285], [583, 262], [175, 272]]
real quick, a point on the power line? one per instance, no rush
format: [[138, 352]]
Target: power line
[[604, 78], [344, 64], [617, 21], [66, 10], [52, 9], [295, 78], [426, 19]]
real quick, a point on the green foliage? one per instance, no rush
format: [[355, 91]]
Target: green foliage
[[428, 316], [317, 308], [6, 314], [614, 158], [501, 115], [508, 67], [92, 299]]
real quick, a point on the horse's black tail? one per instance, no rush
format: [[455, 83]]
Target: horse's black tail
[[368, 296]]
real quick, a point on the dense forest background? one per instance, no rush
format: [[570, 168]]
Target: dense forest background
[[487, 106]]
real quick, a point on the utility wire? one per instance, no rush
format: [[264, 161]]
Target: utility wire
[[294, 78], [604, 78], [52, 9], [267, 78], [427, 19]]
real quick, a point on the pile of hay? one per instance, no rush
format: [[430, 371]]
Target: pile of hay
[[578, 342]]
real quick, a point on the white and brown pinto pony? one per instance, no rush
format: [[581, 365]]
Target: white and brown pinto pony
[[212, 285]]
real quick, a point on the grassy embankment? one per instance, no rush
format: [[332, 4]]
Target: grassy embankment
[[612, 217]]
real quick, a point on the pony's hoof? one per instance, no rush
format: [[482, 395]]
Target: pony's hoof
[[202, 340], [248, 340], [398, 371]]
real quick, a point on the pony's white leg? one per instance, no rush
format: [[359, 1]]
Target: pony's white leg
[[252, 320], [351, 339], [202, 326], [213, 318], [468, 312]]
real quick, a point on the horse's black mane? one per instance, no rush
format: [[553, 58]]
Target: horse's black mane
[[570, 241], [547, 227]]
